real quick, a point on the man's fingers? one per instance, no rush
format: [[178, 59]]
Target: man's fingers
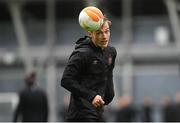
[[102, 102], [98, 101], [96, 105]]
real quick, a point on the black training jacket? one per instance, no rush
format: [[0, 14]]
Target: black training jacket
[[89, 72]]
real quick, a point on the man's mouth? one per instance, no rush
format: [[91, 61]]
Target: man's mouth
[[105, 41]]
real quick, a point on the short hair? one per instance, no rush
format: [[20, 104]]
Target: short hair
[[106, 19]]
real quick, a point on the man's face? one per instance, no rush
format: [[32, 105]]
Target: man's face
[[101, 37]]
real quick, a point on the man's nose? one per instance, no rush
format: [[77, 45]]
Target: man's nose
[[104, 35]]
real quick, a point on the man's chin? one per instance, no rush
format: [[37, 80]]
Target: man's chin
[[104, 46]]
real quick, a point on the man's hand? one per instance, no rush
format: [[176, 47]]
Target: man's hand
[[97, 101]]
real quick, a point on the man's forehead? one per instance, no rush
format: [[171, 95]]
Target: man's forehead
[[103, 27], [102, 30]]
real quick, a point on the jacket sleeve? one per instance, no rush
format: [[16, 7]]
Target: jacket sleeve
[[72, 72], [109, 93]]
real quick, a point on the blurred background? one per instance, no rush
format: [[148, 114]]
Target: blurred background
[[40, 35]]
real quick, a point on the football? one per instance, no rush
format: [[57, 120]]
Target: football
[[91, 18]]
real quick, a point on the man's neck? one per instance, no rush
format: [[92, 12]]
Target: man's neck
[[102, 48]]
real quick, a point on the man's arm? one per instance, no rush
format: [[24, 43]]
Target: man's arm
[[72, 72], [109, 93]]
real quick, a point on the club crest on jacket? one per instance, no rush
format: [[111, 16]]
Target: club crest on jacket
[[95, 61]]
